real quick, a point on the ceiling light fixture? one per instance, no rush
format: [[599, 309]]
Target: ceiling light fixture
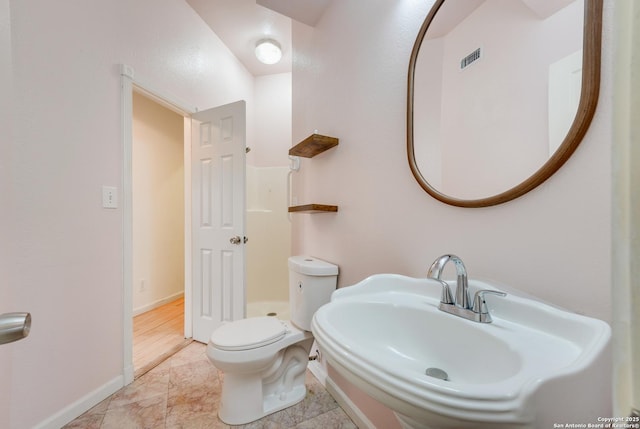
[[268, 51]]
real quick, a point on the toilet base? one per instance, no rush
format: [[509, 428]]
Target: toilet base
[[234, 412], [249, 397]]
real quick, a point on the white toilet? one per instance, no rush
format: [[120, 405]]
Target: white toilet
[[264, 359]]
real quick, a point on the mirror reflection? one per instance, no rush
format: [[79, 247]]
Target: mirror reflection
[[496, 89]]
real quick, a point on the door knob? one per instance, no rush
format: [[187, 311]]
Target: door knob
[[14, 326], [238, 240]]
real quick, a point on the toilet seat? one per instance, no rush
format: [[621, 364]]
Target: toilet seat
[[248, 333]]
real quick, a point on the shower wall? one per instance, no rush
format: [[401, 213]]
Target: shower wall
[[267, 222], [269, 233]]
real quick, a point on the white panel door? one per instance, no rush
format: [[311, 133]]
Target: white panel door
[[218, 217]]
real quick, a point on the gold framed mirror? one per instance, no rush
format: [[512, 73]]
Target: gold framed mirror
[[485, 154]]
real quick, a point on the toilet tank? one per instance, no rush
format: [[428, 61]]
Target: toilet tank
[[311, 282]]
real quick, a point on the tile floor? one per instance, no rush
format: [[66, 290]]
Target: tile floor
[[184, 392]]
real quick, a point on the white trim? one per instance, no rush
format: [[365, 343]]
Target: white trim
[[127, 224], [188, 270], [318, 367], [129, 84], [149, 90], [348, 406], [159, 303], [82, 405], [318, 371]]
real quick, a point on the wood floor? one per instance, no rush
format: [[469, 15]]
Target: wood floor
[[158, 334]]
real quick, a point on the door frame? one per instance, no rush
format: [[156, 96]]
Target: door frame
[[130, 83]]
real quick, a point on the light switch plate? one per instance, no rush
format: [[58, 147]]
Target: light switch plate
[[109, 197]]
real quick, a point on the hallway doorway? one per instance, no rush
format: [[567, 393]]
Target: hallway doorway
[[158, 232], [213, 196]]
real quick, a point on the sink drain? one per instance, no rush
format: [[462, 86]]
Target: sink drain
[[437, 373], [272, 314]]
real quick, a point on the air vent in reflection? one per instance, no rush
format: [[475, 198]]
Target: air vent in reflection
[[470, 59]]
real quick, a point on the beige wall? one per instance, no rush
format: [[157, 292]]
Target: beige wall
[[6, 221], [357, 80], [68, 257], [158, 204], [553, 243], [272, 139]]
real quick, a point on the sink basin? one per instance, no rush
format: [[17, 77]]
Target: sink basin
[[533, 366]]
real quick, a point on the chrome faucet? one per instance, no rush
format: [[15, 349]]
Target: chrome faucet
[[435, 272], [462, 306]]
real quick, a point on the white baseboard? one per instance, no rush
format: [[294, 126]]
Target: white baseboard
[[317, 367], [129, 373], [348, 406], [318, 371], [156, 304], [82, 405]]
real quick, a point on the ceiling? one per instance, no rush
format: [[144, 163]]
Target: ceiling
[[240, 24]]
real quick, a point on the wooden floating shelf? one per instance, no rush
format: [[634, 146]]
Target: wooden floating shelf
[[313, 208], [313, 145]]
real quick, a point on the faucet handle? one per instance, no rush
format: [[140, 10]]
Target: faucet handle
[[479, 304], [446, 297]]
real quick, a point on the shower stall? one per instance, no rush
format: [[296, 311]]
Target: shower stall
[[269, 245]]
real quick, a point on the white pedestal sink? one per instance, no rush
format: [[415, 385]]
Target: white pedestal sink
[[533, 366]]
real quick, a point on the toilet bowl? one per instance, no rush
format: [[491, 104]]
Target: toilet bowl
[[264, 359]]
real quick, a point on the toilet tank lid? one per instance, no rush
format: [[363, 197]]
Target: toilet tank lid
[[312, 266]]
